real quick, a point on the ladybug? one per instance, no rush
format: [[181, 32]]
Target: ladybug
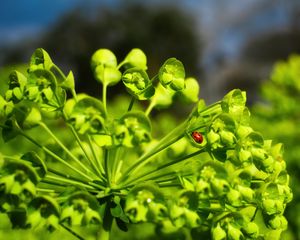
[[197, 137]]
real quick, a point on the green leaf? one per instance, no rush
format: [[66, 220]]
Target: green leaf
[[172, 74]]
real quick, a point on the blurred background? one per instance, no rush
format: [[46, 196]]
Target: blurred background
[[224, 44]]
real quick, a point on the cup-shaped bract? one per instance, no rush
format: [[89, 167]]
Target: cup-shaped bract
[[17, 83], [81, 208], [103, 57], [138, 83], [86, 115], [43, 211], [172, 74], [136, 58], [133, 129], [145, 203], [40, 59], [190, 94]]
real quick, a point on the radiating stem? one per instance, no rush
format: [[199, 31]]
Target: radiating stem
[[56, 157], [72, 232], [162, 167], [131, 104], [44, 126], [104, 93], [161, 145], [97, 160], [92, 163], [68, 181]]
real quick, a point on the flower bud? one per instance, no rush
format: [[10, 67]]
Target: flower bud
[[103, 57]]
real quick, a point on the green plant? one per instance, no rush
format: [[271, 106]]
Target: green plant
[[212, 175], [279, 117]]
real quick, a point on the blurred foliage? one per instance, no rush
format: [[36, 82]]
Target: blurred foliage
[[279, 117], [257, 57]]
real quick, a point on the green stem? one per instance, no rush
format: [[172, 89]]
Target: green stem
[[162, 167], [106, 166], [131, 104], [97, 160], [44, 126], [150, 107], [73, 92], [104, 233], [78, 140], [72, 232], [67, 181], [52, 154], [161, 145], [104, 93]]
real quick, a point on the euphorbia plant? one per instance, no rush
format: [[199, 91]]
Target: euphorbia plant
[[212, 174]]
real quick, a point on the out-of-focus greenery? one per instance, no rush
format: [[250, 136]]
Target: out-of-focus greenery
[[279, 118]]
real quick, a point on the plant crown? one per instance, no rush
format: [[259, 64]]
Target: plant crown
[[229, 182]]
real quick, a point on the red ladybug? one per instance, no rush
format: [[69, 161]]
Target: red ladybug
[[197, 137]]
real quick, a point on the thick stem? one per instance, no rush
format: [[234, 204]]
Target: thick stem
[[105, 230]]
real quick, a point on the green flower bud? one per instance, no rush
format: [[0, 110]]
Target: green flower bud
[[251, 230], [234, 103], [234, 233], [213, 139], [190, 94], [270, 206], [218, 233], [107, 75], [245, 156], [243, 131], [227, 138], [219, 186], [278, 222], [172, 74], [138, 83], [40, 59], [103, 57], [136, 58], [247, 193], [234, 197]]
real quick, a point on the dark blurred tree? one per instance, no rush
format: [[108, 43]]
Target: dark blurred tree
[[161, 31]]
